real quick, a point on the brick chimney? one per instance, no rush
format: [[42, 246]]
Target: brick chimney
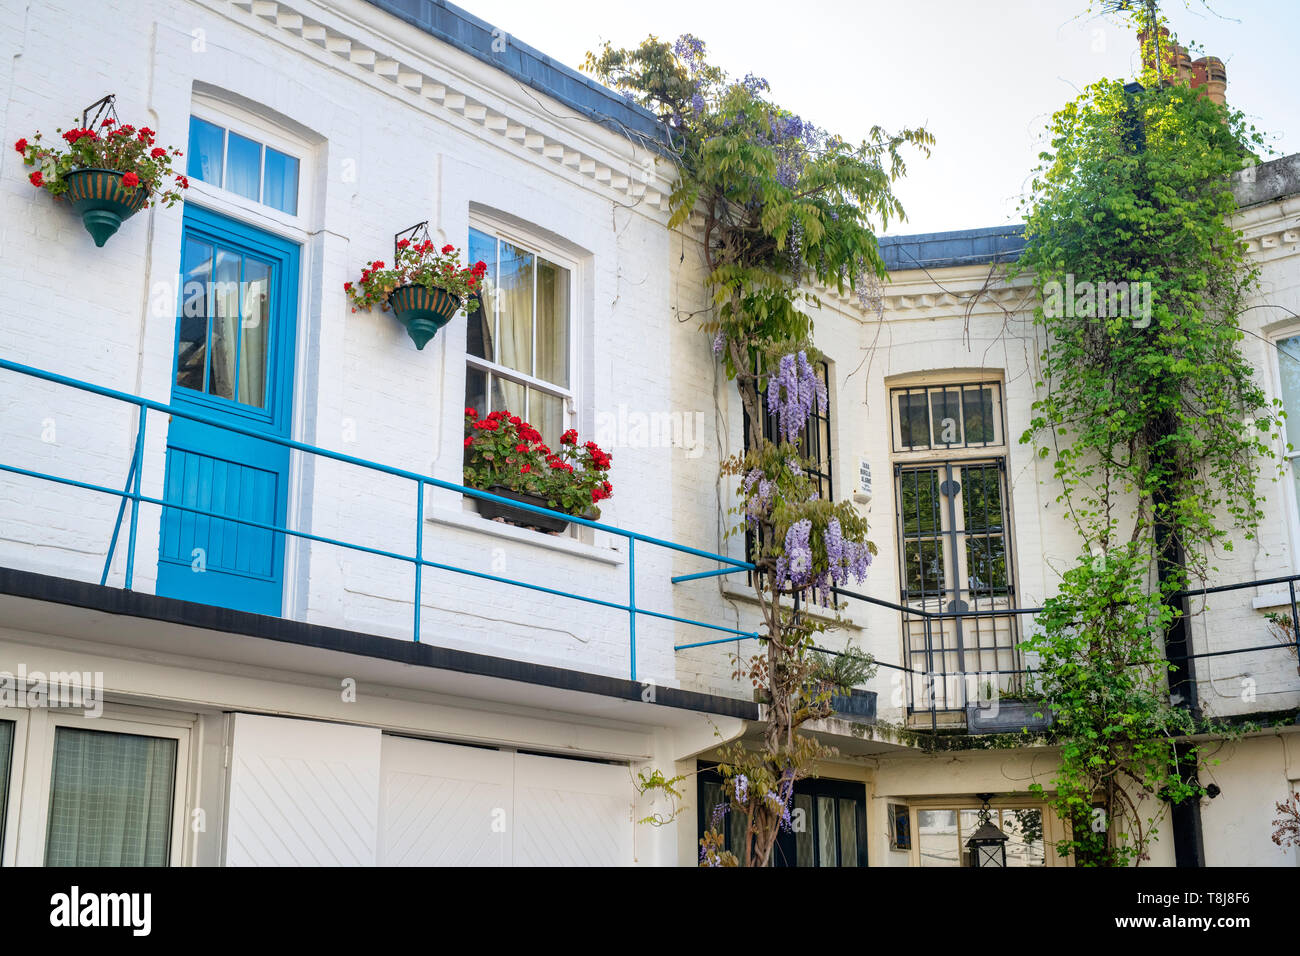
[[1208, 74]]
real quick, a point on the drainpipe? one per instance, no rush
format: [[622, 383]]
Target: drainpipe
[[1171, 564]]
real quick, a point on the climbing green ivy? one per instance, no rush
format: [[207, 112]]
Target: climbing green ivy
[[1155, 427]]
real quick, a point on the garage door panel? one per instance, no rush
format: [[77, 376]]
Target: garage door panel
[[302, 793], [446, 805], [572, 813]]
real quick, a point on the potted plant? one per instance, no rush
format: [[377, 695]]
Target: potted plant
[[425, 287], [106, 174], [839, 674], [506, 456]]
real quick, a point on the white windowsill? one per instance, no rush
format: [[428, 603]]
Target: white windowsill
[[469, 520]]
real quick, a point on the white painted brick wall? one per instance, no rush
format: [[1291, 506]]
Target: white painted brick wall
[[84, 311]]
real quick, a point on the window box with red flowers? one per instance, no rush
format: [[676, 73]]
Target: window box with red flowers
[[506, 456], [424, 289], [107, 174]]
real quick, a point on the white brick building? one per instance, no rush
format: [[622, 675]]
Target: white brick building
[[319, 731]]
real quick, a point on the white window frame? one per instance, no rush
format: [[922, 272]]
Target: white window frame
[[1292, 458], [17, 759], [251, 126], [530, 242], [958, 804], [33, 782]]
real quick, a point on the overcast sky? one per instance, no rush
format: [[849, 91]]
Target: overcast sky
[[983, 77]]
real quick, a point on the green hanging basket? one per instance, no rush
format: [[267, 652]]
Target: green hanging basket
[[423, 311], [102, 201]]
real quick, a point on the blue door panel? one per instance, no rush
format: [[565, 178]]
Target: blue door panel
[[246, 333]]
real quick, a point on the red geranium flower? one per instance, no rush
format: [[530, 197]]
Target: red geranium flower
[[471, 412], [130, 180], [21, 146], [448, 249], [36, 179], [157, 152]]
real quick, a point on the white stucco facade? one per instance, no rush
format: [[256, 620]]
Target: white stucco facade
[[527, 695]]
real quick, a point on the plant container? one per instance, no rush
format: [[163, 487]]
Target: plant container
[[101, 200], [518, 516], [423, 311]]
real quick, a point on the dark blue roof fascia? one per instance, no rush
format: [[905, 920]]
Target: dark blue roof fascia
[[468, 33], [963, 247]]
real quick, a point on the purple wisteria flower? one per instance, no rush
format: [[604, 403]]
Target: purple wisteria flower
[[791, 393], [719, 342], [741, 783], [795, 565]]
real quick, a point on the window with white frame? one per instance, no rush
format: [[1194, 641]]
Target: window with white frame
[[954, 540], [1288, 363], [942, 832], [111, 799], [243, 165], [107, 791], [520, 341]]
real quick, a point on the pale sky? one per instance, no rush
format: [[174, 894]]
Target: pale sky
[[983, 77]]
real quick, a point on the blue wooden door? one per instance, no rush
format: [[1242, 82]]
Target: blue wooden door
[[233, 364]]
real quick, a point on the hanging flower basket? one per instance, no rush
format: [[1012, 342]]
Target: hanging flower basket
[[425, 287], [108, 171], [102, 201], [423, 311]]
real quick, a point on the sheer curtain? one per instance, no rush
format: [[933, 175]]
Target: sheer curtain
[[225, 325], [254, 331], [110, 799]]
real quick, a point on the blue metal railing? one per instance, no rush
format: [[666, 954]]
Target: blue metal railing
[[132, 493]]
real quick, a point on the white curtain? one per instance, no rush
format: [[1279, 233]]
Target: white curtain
[[110, 799]]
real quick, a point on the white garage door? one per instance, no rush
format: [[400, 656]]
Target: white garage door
[[446, 805]]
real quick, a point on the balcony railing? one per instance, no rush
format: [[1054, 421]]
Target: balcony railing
[[132, 496]]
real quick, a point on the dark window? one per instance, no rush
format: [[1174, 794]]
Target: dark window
[[815, 440], [828, 820]]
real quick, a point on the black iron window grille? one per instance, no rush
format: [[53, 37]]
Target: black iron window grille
[[955, 558]]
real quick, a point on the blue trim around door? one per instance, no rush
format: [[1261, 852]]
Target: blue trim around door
[[233, 361]]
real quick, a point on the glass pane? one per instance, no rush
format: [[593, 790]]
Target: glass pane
[[920, 501], [802, 819], [849, 833], [925, 570], [1025, 828], [986, 563], [476, 390], [110, 799], [205, 149], [225, 322], [6, 757], [482, 323], [970, 821], [945, 417], [192, 325], [1288, 360], [254, 332], [978, 404], [981, 497], [913, 420], [508, 395], [552, 323], [243, 166], [936, 832], [546, 414], [826, 855], [515, 306], [281, 191]]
